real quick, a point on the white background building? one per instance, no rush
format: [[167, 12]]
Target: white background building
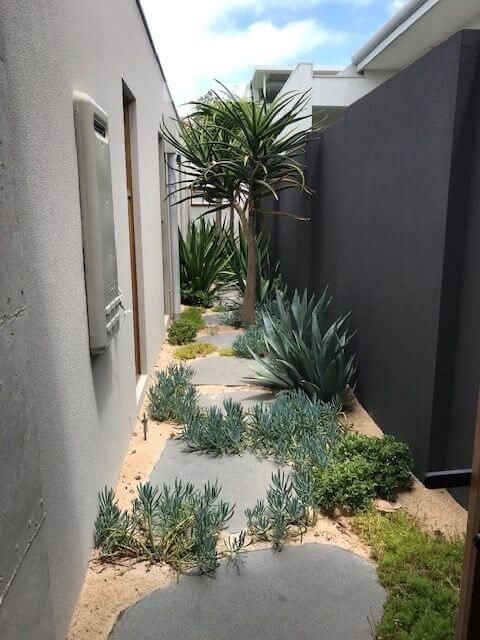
[[416, 28]]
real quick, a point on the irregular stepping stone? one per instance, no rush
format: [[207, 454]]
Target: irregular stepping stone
[[309, 592], [219, 339], [213, 318], [247, 398], [243, 478], [229, 371]]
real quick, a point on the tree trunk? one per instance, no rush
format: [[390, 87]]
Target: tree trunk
[[249, 296]]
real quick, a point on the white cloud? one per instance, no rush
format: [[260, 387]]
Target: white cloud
[[395, 5], [194, 50]]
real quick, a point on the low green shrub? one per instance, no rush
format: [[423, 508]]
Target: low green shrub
[[282, 516], [361, 469], [193, 315], [181, 331], [250, 341], [391, 461], [420, 572], [172, 396], [345, 485], [178, 525], [216, 431], [304, 351], [193, 350], [296, 428]]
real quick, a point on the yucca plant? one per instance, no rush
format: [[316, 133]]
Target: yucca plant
[[305, 352], [203, 259], [235, 152]]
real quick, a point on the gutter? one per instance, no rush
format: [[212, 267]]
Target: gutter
[[398, 24]]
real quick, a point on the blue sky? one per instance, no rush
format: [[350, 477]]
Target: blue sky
[[201, 40]]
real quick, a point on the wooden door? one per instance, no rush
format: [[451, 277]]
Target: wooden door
[[131, 227], [468, 625]]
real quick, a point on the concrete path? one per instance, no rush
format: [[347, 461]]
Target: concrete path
[[306, 592], [213, 318], [310, 592], [243, 478], [218, 370], [247, 398], [219, 339]]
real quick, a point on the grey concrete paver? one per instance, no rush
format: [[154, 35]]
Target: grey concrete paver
[[218, 370], [219, 339], [309, 592], [243, 478]]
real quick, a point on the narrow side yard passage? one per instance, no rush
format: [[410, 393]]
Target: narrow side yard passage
[[321, 584]]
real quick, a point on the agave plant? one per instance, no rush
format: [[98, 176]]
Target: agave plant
[[203, 260], [305, 352]]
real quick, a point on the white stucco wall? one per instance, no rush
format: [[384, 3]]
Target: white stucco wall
[[342, 91], [84, 407], [300, 81]]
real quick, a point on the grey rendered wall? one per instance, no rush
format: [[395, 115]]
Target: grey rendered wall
[[66, 418], [394, 223], [21, 505]]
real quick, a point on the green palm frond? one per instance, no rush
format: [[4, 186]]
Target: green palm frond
[[232, 145]]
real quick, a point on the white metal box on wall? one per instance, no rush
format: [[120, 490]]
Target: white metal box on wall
[[98, 231]]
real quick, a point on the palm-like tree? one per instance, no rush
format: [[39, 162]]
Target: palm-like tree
[[237, 151]]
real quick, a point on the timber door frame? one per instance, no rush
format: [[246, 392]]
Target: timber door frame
[[468, 623], [128, 101]]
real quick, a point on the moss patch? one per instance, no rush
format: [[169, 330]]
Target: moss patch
[[193, 315], [193, 350], [420, 572], [226, 351]]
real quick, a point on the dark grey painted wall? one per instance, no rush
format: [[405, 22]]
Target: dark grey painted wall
[[394, 225]]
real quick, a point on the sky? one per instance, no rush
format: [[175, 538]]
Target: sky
[[200, 41]]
